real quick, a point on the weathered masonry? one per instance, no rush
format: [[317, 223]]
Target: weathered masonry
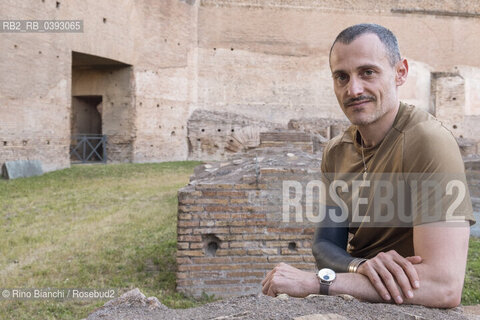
[[139, 83], [231, 229]]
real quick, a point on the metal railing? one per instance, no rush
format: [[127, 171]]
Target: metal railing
[[88, 148]]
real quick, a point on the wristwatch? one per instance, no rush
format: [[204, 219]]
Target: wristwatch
[[325, 277]]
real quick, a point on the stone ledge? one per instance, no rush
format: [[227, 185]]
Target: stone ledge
[[134, 305]]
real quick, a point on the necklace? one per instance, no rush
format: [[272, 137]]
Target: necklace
[[364, 165]]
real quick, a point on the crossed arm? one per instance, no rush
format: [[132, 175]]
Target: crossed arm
[[439, 265]]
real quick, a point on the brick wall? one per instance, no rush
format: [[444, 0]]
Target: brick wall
[[214, 135], [231, 234]]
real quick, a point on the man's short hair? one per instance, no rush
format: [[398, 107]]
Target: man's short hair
[[386, 37]]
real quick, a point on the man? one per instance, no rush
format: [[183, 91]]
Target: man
[[423, 263]]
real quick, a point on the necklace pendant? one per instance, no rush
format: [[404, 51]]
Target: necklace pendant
[[364, 175]]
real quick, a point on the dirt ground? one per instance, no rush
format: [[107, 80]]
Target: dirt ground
[[134, 305]]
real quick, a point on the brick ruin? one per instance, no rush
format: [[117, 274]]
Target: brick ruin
[[216, 135], [230, 224]]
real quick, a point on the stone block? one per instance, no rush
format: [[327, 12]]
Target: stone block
[[22, 169], [318, 316]]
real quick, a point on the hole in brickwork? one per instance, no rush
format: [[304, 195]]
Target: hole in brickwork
[[454, 98], [4, 143], [172, 133], [203, 130], [454, 126], [212, 248], [212, 243], [198, 139], [24, 142], [231, 49], [158, 105], [292, 246], [104, 20], [57, 4], [233, 130], [219, 130], [48, 141]]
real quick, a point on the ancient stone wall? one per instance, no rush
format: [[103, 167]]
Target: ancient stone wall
[[165, 79], [447, 7], [222, 56], [231, 229], [153, 37], [34, 92], [215, 135]]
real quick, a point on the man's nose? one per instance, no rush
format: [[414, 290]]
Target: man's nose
[[355, 87]]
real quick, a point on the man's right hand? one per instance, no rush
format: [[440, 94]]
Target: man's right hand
[[389, 271]]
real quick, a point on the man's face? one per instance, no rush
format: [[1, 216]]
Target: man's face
[[364, 81]]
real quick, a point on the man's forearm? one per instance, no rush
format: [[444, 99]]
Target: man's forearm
[[432, 292], [356, 285]]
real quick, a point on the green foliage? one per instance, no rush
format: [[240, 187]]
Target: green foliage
[[471, 289]]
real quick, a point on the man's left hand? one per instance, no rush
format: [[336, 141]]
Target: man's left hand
[[287, 279]]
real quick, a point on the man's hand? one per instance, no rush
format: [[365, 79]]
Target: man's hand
[[290, 280], [389, 271]]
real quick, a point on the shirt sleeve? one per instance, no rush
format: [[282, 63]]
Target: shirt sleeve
[[435, 173]]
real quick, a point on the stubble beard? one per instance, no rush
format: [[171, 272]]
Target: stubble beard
[[370, 118]]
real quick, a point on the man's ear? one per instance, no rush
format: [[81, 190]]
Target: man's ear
[[401, 72]]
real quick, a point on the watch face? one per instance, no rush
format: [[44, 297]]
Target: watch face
[[326, 274]]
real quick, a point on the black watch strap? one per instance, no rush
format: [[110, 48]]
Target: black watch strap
[[324, 288]]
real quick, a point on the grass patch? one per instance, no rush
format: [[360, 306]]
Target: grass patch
[[471, 289], [91, 226], [103, 226]]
